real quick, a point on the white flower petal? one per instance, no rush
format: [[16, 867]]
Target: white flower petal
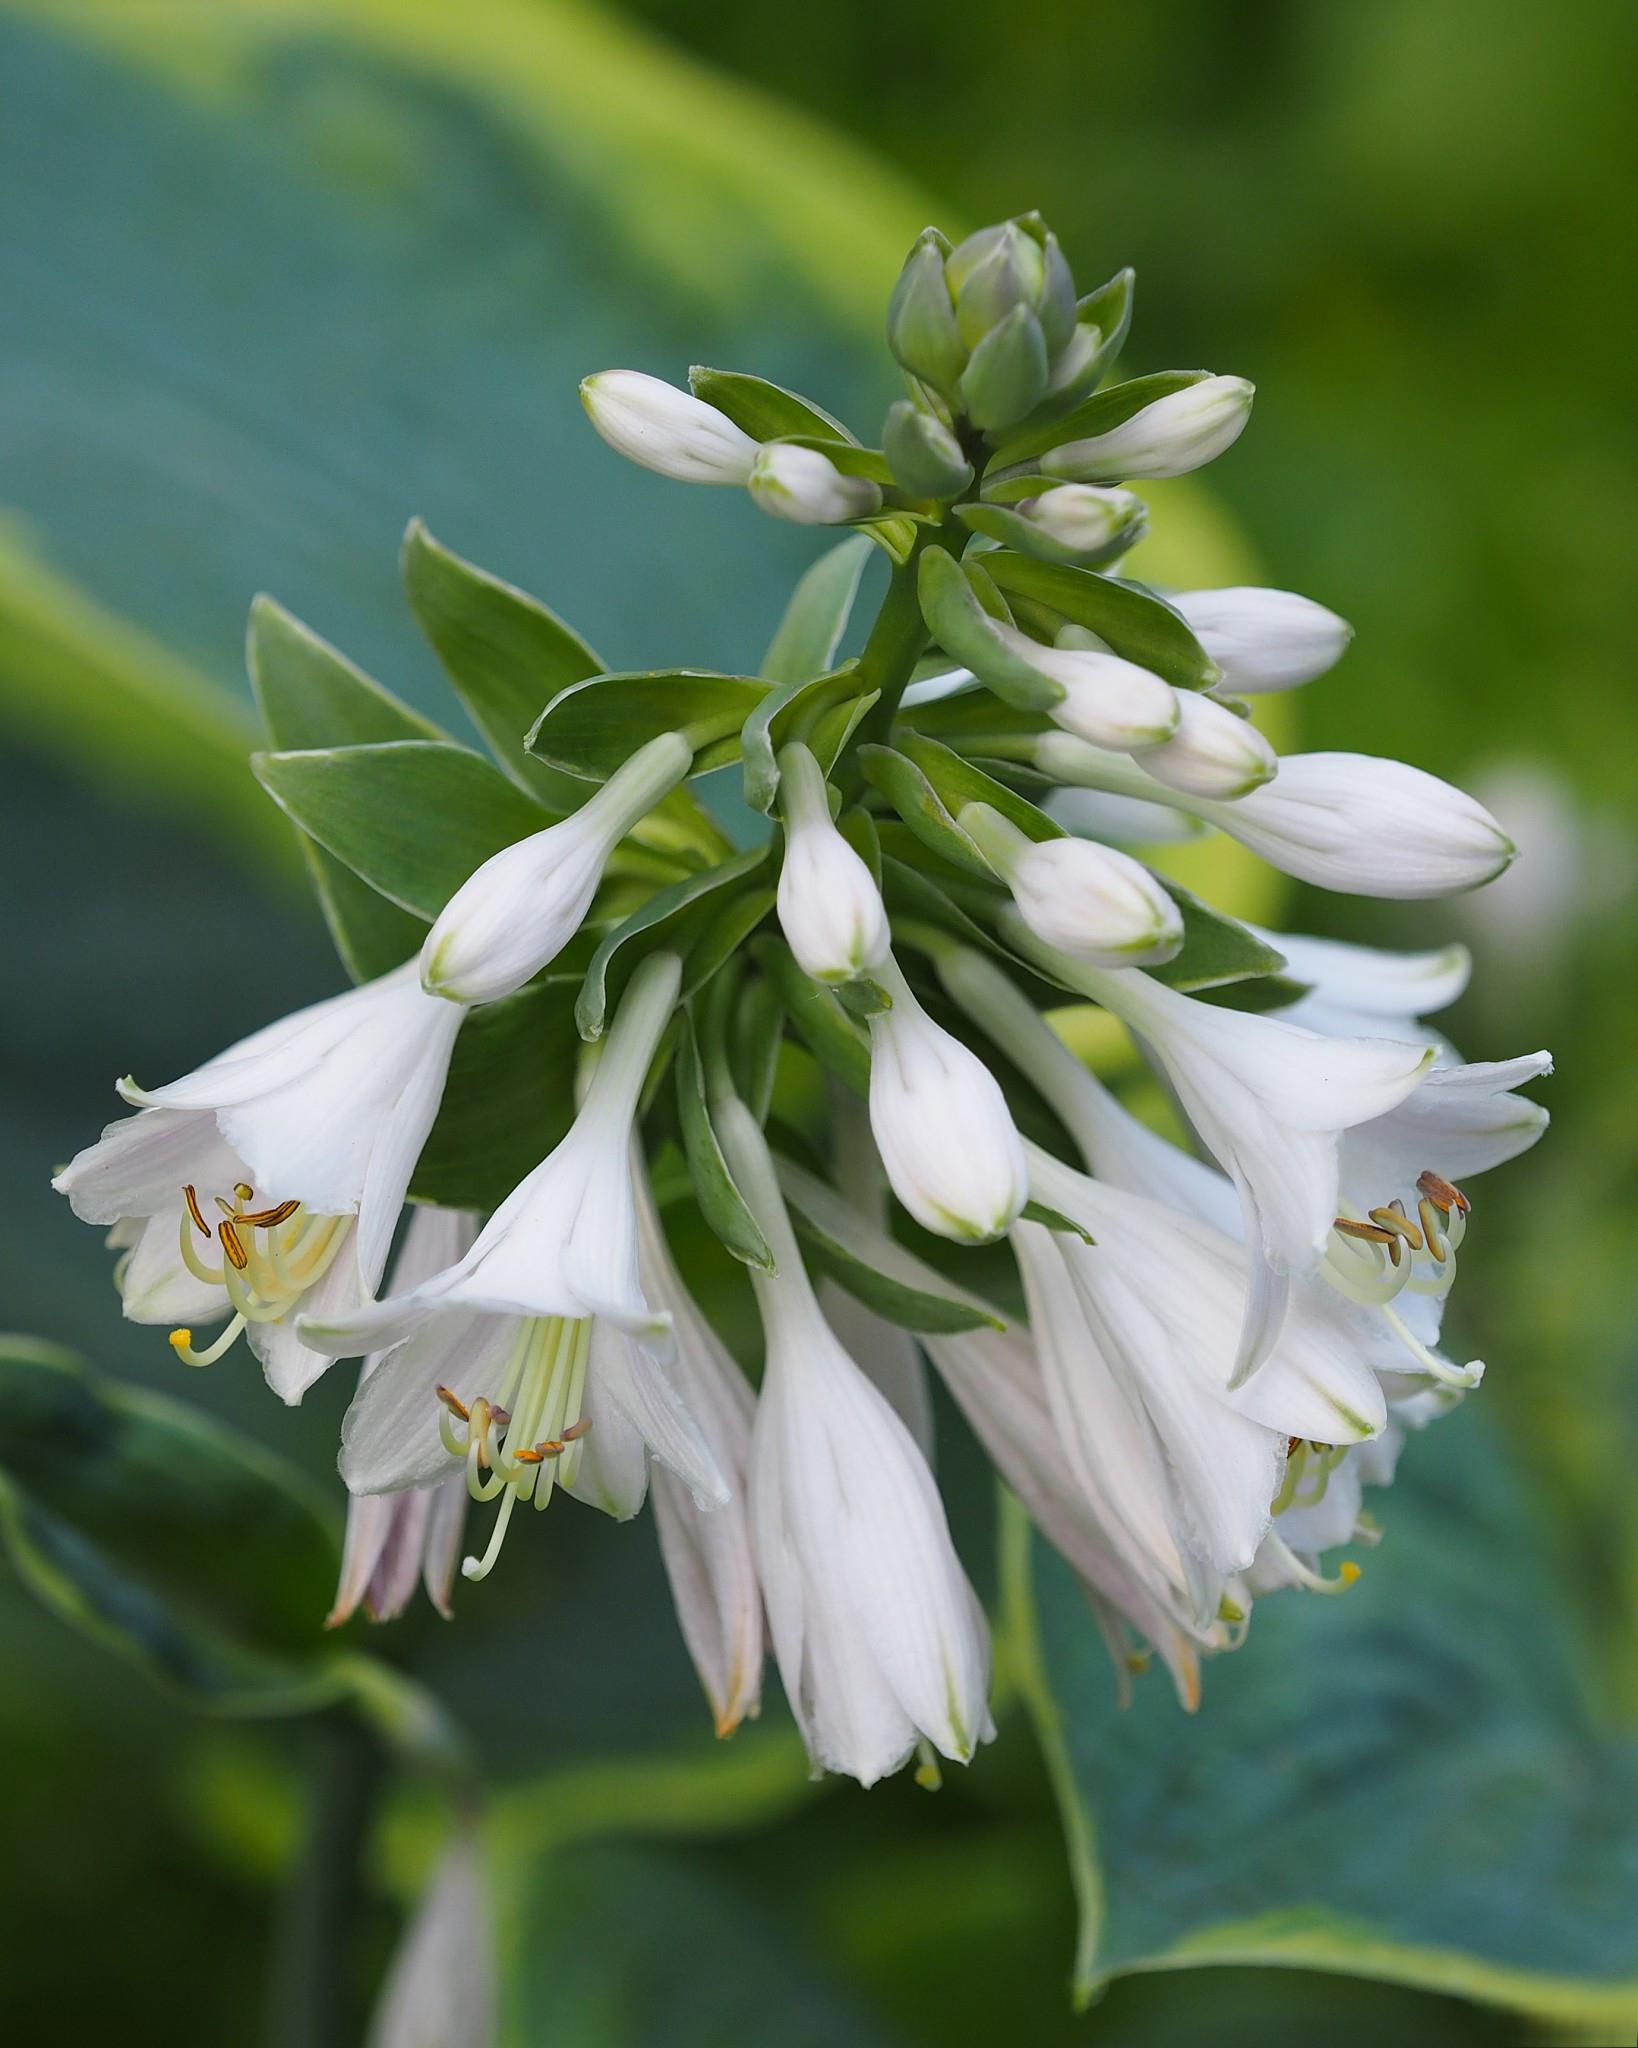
[[671, 431], [1263, 639]]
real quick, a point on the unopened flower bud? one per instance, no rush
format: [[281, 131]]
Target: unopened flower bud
[[990, 275], [805, 487], [1167, 437], [1006, 376], [1081, 519], [1264, 639], [921, 321], [1087, 900], [925, 456], [672, 431], [1213, 752], [830, 909], [1112, 702]]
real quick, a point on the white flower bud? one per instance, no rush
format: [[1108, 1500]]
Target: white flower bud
[[1213, 753], [664, 429], [941, 1123], [1264, 639], [830, 909], [806, 487], [1111, 702], [1085, 520], [1168, 437], [522, 907], [1087, 900]]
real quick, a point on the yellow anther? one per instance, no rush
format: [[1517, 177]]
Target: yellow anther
[[1431, 1230], [1394, 1219], [233, 1245], [266, 1219], [1348, 1572], [1443, 1194], [195, 1211], [182, 1340], [454, 1404], [1373, 1233], [243, 1190]]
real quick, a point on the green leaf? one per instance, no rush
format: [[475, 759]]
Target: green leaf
[[173, 1542], [823, 1026], [508, 1100], [721, 1203], [413, 818], [1096, 415], [1405, 1783], [1001, 523], [927, 784], [974, 720], [592, 728], [958, 620], [311, 696], [823, 711], [1216, 949], [506, 654], [809, 634], [1138, 625], [758, 1033], [676, 918], [869, 1264], [767, 412]]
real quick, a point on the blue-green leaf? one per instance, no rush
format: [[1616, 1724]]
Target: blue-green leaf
[[809, 634], [1138, 625], [593, 728]]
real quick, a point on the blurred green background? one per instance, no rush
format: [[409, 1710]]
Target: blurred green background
[[273, 277]]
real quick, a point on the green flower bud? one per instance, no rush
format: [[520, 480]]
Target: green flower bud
[[925, 456], [1007, 376], [991, 273], [921, 322]]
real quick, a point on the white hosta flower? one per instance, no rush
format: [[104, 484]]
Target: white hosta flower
[[1213, 753], [1363, 991], [1120, 820], [272, 1178], [1355, 823], [1268, 1100], [521, 908], [1091, 901], [1263, 639], [497, 1360], [1111, 702], [440, 1985], [1084, 520], [707, 1548], [941, 1123], [880, 1639], [806, 487], [1167, 437], [395, 1539], [671, 431], [830, 909]]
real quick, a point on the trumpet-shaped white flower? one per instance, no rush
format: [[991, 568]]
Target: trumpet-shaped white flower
[[1355, 823], [272, 1177], [830, 909], [941, 1123], [1106, 700], [1264, 639], [707, 1547], [1167, 437], [395, 1539], [497, 1360], [806, 487], [671, 431], [521, 908], [1268, 1100], [1362, 991], [1091, 901], [1213, 753], [880, 1639], [440, 1985]]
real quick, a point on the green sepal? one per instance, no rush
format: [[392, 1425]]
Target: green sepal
[[508, 1100], [863, 1262], [1216, 949], [677, 918], [767, 412], [822, 713], [721, 1203], [821, 1023], [925, 457], [958, 621], [505, 653], [1054, 1219], [592, 728], [921, 321], [1012, 530], [1098, 414], [1106, 314], [176, 1543], [811, 630], [413, 818], [974, 720], [311, 696], [894, 533], [848, 457], [1139, 626], [863, 998], [1006, 375], [927, 785]]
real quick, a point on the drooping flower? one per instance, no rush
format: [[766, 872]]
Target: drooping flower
[[941, 1122], [880, 1640], [272, 1177], [830, 909], [440, 1985], [521, 908]]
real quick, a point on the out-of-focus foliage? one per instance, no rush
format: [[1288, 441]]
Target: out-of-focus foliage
[[279, 275]]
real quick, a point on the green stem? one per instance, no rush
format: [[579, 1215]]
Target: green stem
[[897, 640]]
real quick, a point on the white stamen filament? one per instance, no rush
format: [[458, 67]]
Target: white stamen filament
[[282, 1260]]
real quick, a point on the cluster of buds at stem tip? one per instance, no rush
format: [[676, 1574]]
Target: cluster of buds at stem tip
[[683, 437]]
